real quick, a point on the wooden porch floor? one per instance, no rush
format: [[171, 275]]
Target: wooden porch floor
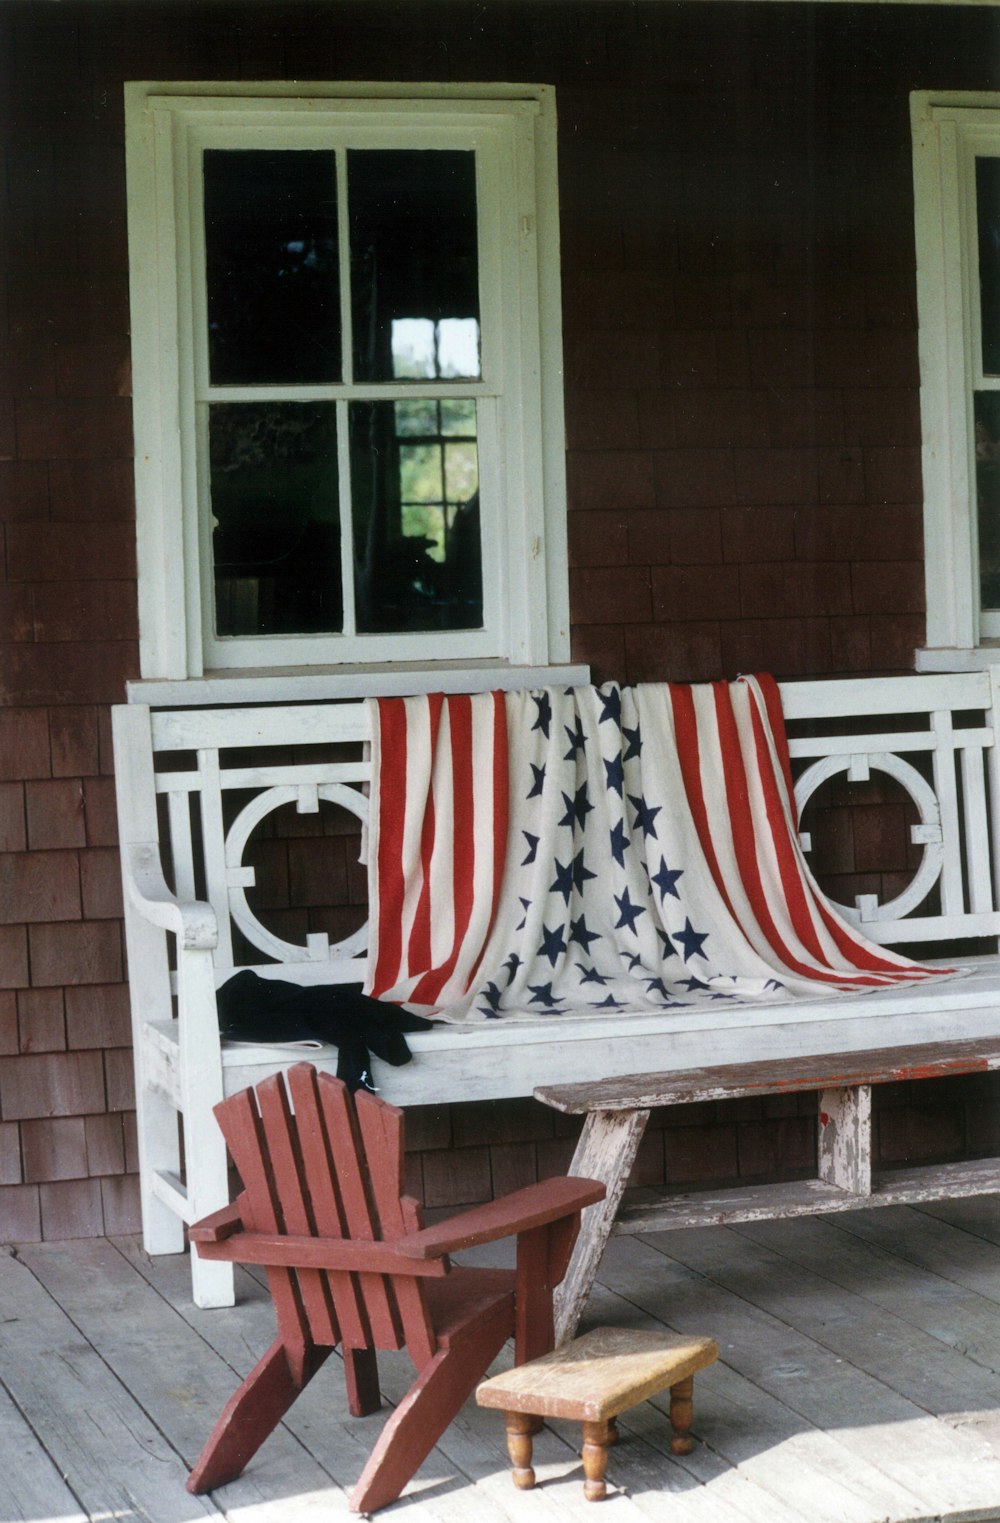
[[859, 1381]]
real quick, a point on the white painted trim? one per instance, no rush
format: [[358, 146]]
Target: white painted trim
[[947, 131], [522, 438]]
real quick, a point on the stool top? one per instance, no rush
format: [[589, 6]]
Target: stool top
[[599, 1375]]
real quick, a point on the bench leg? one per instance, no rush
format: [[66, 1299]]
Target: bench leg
[[606, 1151], [521, 1428], [596, 1439], [680, 1415]]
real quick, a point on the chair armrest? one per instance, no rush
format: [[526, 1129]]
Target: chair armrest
[[191, 921], [291, 1251], [548, 1201], [218, 1226]]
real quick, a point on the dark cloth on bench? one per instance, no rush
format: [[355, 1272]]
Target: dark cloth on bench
[[273, 1012]]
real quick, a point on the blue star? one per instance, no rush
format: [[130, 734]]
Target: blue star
[[666, 879], [513, 961], [668, 946], [774, 983], [691, 940], [576, 739], [577, 807], [491, 994], [539, 780], [541, 994], [578, 932], [628, 912], [580, 872], [553, 944], [544, 717], [619, 842], [564, 881], [615, 770], [608, 1004], [634, 960], [532, 846], [634, 742], [611, 705], [644, 816], [526, 906], [691, 984], [657, 986], [591, 976]]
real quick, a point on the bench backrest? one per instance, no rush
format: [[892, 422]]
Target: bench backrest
[[202, 781]]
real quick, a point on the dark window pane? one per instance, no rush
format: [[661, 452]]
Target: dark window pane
[[276, 518], [414, 264], [988, 217], [415, 492], [987, 415], [271, 244]]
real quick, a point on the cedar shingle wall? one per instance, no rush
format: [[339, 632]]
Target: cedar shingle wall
[[743, 461]]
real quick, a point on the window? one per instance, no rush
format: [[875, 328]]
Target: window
[[956, 157], [347, 370]]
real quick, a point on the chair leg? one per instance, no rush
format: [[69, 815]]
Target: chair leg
[[425, 1411], [250, 1416], [361, 1374]]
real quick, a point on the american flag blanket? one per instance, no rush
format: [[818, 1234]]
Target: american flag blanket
[[593, 849]]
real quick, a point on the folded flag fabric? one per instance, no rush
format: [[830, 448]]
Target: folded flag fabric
[[593, 849]]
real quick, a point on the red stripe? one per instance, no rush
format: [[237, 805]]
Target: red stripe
[[426, 992], [689, 756], [391, 806], [418, 951], [776, 720], [501, 810], [791, 877], [745, 845]]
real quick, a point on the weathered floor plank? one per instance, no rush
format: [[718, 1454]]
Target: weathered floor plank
[[858, 1383]]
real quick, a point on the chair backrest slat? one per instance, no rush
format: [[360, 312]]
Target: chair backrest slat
[[294, 1205], [381, 1128], [241, 1126], [362, 1223], [327, 1206]]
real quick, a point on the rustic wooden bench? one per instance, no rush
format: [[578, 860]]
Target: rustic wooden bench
[[197, 778], [592, 1380]]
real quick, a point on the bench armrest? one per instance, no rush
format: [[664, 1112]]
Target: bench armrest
[[193, 922], [548, 1201]]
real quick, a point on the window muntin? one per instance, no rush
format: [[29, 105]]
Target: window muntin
[[478, 344]]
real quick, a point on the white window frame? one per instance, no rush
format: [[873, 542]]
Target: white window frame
[[522, 443], [949, 130]]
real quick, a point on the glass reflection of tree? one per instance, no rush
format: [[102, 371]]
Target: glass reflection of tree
[[987, 418]]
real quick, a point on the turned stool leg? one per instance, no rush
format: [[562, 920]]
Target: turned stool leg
[[596, 1439], [680, 1416], [520, 1428]]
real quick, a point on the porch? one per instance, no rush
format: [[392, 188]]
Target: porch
[[858, 1380]]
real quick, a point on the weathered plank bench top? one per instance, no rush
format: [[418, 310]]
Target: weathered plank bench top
[[775, 1076]]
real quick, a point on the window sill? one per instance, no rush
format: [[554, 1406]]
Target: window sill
[[952, 659], [312, 685]]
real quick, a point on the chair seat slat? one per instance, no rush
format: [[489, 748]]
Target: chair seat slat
[[380, 1302], [296, 1217], [327, 1207], [381, 1129]]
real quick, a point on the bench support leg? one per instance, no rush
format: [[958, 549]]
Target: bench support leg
[[681, 1413], [606, 1151], [521, 1428], [595, 1460], [845, 1138]]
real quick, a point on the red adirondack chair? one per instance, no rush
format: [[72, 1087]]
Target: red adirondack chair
[[349, 1263]]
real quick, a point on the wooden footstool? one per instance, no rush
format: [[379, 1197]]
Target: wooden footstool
[[592, 1379]]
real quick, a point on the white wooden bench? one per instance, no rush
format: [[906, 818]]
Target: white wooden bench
[[194, 784]]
